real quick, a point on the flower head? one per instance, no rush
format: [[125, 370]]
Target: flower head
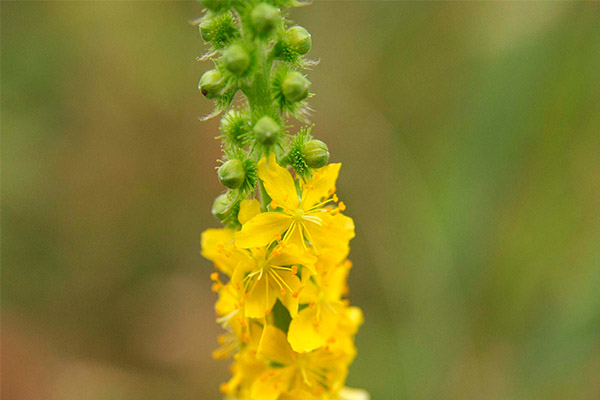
[[306, 217]]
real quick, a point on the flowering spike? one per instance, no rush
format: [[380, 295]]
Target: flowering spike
[[283, 250]]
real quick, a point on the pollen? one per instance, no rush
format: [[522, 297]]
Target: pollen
[[214, 276]]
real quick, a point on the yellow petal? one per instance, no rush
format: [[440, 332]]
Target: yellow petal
[[309, 294], [274, 346], [271, 384], [279, 183], [335, 282], [320, 186], [262, 229], [226, 302], [261, 299], [302, 334], [248, 209], [290, 255], [352, 319], [290, 299], [348, 393], [216, 246], [335, 232]]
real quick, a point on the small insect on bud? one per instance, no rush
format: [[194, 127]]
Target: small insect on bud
[[316, 153], [295, 87], [299, 39], [266, 131], [211, 84], [236, 59], [232, 174], [220, 206], [264, 18]]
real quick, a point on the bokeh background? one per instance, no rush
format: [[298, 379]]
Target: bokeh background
[[470, 137]]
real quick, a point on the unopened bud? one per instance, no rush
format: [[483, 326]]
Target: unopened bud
[[219, 30], [295, 87], [232, 174], [316, 153], [266, 131], [214, 5], [211, 84], [236, 59], [299, 39], [264, 18], [220, 206]]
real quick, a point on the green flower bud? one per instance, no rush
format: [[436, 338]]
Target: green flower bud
[[211, 84], [219, 30], [316, 153], [220, 206], [266, 131], [214, 5], [299, 39], [236, 59], [295, 87], [264, 18], [232, 174], [206, 30], [235, 126]]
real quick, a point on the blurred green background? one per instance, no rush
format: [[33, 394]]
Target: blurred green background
[[470, 137]]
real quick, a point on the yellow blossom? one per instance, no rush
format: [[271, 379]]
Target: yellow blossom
[[305, 218], [264, 275], [326, 314], [316, 373]]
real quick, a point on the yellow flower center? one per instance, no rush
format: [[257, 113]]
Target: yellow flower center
[[298, 215]]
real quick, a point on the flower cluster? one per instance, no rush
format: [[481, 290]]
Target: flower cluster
[[282, 302], [281, 258]]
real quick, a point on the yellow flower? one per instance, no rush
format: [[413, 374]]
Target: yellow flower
[[315, 374], [327, 314], [217, 245], [267, 274], [246, 369], [298, 218]]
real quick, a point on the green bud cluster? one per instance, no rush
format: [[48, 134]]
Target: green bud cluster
[[256, 53]]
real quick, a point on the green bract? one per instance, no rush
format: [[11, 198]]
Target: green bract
[[219, 31], [235, 127]]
